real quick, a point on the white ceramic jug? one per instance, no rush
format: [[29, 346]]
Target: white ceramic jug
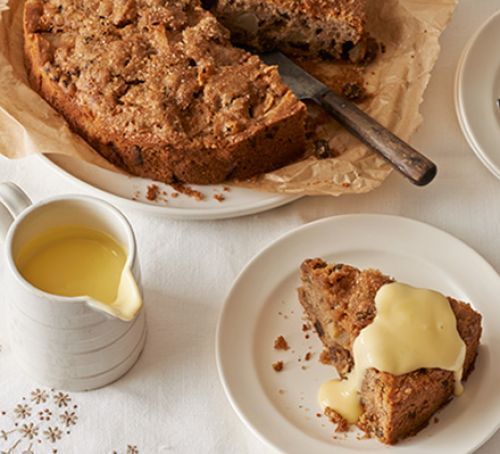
[[69, 343]]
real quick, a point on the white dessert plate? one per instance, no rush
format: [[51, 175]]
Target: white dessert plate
[[281, 407], [131, 192], [477, 93]]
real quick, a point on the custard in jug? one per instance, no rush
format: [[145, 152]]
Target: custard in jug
[[77, 261]]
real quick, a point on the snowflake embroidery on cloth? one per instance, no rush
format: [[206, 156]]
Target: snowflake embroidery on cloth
[[29, 430], [53, 434], [36, 422], [22, 411], [39, 421], [62, 399], [39, 396], [68, 419]]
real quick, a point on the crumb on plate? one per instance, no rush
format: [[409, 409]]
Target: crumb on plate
[[281, 344], [153, 192], [278, 366]]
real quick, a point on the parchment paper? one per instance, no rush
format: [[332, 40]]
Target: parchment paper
[[409, 31]]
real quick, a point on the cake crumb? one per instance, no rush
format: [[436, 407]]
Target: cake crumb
[[278, 366], [336, 418], [308, 356], [174, 195], [353, 91], [318, 415], [153, 192], [322, 149], [324, 357], [189, 191], [281, 344], [219, 197], [226, 189]]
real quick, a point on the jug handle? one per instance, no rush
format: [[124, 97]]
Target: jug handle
[[13, 201]]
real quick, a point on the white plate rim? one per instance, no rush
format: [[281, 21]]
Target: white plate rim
[[191, 214], [459, 105], [265, 438]]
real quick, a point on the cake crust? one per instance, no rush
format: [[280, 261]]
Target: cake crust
[[339, 301], [158, 89]]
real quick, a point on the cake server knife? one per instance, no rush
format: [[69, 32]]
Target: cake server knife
[[412, 164]]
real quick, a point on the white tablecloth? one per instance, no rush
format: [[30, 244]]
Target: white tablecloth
[[172, 400]]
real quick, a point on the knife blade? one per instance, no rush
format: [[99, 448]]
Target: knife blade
[[412, 164]]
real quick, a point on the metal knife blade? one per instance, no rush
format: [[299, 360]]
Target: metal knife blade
[[302, 84]]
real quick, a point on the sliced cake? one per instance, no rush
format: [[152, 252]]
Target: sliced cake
[[158, 89], [340, 302]]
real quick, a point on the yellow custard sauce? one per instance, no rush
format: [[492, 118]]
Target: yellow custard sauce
[[413, 328], [74, 261]]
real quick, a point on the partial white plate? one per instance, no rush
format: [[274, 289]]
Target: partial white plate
[[263, 304], [477, 93], [131, 192]]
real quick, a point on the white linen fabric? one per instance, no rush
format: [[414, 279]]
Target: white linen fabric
[[172, 400]]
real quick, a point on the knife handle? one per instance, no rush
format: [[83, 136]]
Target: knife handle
[[412, 164]]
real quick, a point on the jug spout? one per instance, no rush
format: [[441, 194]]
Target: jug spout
[[128, 299]]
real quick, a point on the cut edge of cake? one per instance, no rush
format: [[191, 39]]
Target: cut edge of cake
[[325, 29]]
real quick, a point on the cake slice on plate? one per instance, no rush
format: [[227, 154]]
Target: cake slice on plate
[[340, 300]]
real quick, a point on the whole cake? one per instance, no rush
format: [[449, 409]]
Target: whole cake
[[328, 29], [157, 88], [339, 301]]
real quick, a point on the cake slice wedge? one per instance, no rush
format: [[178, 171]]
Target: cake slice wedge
[[339, 301], [328, 29]]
